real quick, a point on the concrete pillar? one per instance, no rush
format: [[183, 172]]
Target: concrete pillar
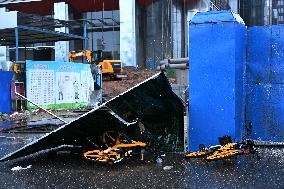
[[201, 6], [234, 5], [3, 50], [128, 32], [177, 30], [61, 48], [3, 65], [181, 15]]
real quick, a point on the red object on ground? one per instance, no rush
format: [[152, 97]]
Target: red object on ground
[[246, 151]]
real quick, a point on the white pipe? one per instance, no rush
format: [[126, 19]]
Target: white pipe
[[174, 66], [178, 61]]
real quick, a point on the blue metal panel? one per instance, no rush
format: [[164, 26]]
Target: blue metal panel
[[267, 110], [265, 90], [258, 74], [5, 91], [240, 91], [216, 101], [258, 54], [216, 17], [277, 54]]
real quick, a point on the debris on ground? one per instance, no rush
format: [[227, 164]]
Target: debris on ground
[[159, 160], [134, 76], [18, 168], [37, 115], [166, 168]]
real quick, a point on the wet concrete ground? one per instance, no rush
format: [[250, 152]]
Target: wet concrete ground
[[72, 171]]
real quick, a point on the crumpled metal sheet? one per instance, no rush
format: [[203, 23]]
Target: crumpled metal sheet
[[152, 101]]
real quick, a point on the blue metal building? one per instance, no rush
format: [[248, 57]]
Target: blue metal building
[[216, 77]]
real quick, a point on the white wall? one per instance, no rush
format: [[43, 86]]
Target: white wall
[[3, 64], [10, 21], [62, 47], [127, 32], [234, 5]]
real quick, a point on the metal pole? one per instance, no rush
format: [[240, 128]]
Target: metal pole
[[41, 108], [85, 42], [85, 36], [17, 43]]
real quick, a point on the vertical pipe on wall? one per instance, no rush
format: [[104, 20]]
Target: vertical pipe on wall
[[92, 35], [85, 41], [17, 43], [85, 36]]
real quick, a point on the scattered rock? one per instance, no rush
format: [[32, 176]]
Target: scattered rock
[[168, 168], [18, 168], [159, 160]]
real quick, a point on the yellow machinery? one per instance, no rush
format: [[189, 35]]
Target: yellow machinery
[[16, 68], [111, 69], [81, 56], [117, 149]]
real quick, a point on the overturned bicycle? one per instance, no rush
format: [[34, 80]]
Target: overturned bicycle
[[226, 150]]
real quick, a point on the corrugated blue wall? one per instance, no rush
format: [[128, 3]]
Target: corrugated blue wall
[[216, 72], [5, 91], [265, 82]]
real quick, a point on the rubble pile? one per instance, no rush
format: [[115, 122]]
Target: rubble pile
[[35, 115], [134, 76]]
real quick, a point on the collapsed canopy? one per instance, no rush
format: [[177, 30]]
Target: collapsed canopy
[[152, 101]]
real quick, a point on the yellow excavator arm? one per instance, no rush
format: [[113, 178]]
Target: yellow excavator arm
[[73, 56]]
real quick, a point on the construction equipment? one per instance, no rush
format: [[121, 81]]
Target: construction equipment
[[227, 149], [111, 69], [118, 147], [84, 56]]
